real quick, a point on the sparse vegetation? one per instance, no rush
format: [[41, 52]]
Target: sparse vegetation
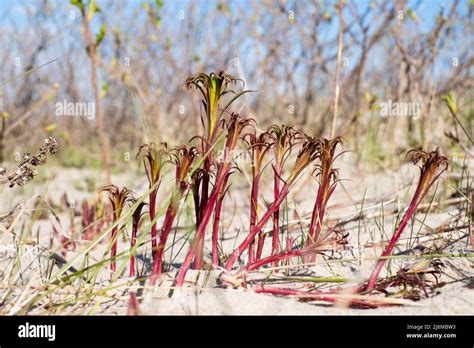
[[288, 176]]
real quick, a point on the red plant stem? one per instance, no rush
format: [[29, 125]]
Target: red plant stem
[[411, 210], [133, 242], [199, 234], [165, 231], [253, 214], [197, 203], [192, 252], [152, 212], [215, 232], [318, 211], [215, 227], [113, 251], [203, 206], [115, 231], [276, 214], [207, 147], [252, 254], [136, 219], [275, 258], [133, 304], [251, 236], [261, 241]]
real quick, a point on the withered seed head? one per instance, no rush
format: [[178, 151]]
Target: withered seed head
[[24, 172], [50, 147]]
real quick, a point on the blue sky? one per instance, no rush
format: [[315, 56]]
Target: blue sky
[[13, 12]]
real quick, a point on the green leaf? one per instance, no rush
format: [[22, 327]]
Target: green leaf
[[51, 127], [93, 9], [158, 22], [78, 3], [412, 15], [104, 90], [159, 4], [376, 107], [450, 100], [100, 36], [326, 16]]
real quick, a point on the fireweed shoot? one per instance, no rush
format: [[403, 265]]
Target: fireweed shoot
[[136, 221], [258, 147], [234, 127], [153, 158], [327, 177], [183, 159], [118, 199], [431, 165], [213, 88], [284, 139]]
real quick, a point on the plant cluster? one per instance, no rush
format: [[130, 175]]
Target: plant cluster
[[202, 172]]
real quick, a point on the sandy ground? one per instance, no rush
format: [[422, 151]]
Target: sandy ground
[[203, 293], [453, 299]]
